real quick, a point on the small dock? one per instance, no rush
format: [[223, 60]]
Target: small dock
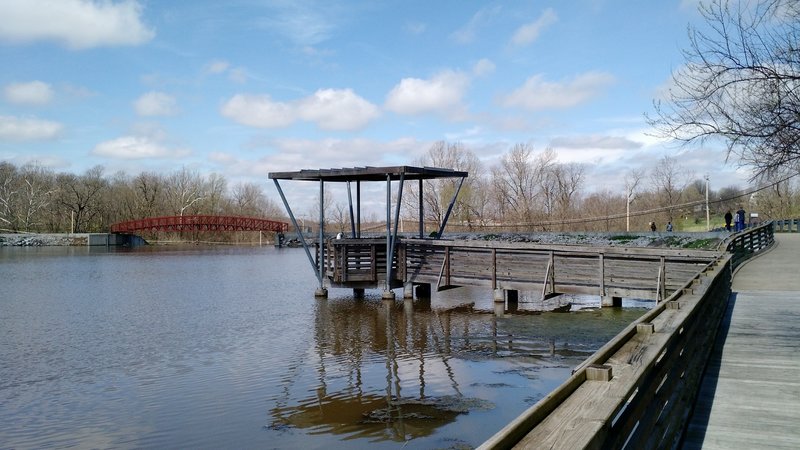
[[750, 394]]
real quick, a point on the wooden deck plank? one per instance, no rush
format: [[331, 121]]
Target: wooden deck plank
[[750, 394]]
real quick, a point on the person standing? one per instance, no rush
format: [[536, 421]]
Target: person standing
[[738, 220], [740, 215], [728, 218], [669, 227]]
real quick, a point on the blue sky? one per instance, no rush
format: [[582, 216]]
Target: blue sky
[[245, 87]]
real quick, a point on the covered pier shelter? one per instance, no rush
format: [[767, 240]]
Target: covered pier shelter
[[357, 262]]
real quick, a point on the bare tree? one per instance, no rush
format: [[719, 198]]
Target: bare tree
[[36, 189], [633, 179], [438, 193], [185, 189], [569, 181], [248, 199], [215, 192], [740, 83], [8, 194], [150, 194], [669, 180], [81, 195], [523, 184]]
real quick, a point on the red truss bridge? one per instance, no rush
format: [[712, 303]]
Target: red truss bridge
[[200, 223]]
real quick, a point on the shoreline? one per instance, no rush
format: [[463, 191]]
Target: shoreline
[[705, 240], [44, 239]]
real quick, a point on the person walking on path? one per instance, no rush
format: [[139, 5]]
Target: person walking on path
[[669, 227], [728, 218]]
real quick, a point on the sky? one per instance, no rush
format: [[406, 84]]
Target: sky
[[246, 87]]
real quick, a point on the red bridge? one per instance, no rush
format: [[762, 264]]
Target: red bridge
[[199, 223]]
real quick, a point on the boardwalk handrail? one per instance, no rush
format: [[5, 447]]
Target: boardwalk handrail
[[744, 244], [638, 389]]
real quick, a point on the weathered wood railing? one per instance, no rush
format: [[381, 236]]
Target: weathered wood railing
[[638, 390], [358, 262], [745, 244], [549, 269], [553, 269]]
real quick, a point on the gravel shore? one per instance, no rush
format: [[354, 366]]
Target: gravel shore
[[706, 240], [42, 239]]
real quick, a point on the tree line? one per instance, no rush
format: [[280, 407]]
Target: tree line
[[525, 190], [528, 190], [37, 199]]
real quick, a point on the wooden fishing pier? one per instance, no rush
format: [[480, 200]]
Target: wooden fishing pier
[[638, 390], [426, 262]]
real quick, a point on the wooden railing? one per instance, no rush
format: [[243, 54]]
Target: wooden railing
[[605, 271], [553, 269], [746, 243], [355, 262], [636, 391]]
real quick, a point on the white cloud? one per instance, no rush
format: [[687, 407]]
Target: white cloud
[[537, 94], [135, 147], [77, 24], [30, 93], [258, 111], [442, 93], [304, 23], [483, 67], [294, 154], [28, 129], [466, 34], [529, 32], [595, 141], [217, 66], [329, 109], [155, 104], [337, 109], [220, 67], [238, 75]]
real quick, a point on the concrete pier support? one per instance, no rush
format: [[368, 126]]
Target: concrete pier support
[[608, 300], [499, 296], [408, 290], [499, 309], [408, 306], [499, 302], [321, 293]]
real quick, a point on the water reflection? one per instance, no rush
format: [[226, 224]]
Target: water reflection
[[385, 371]]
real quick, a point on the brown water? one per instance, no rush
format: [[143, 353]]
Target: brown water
[[212, 347]]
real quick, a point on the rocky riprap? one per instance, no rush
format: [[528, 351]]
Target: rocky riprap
[[40, 240]]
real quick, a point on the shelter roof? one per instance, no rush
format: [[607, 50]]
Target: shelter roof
[[369, 174]]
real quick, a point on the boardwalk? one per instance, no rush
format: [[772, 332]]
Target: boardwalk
[[750, 395]]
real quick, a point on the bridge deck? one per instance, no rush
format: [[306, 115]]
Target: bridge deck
[[750, 394]]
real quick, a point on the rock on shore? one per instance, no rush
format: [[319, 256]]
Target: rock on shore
[[41, 239]]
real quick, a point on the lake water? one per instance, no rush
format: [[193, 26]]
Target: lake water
[[226, 347]]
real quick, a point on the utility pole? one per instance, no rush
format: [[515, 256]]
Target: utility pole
[[708, 214]]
